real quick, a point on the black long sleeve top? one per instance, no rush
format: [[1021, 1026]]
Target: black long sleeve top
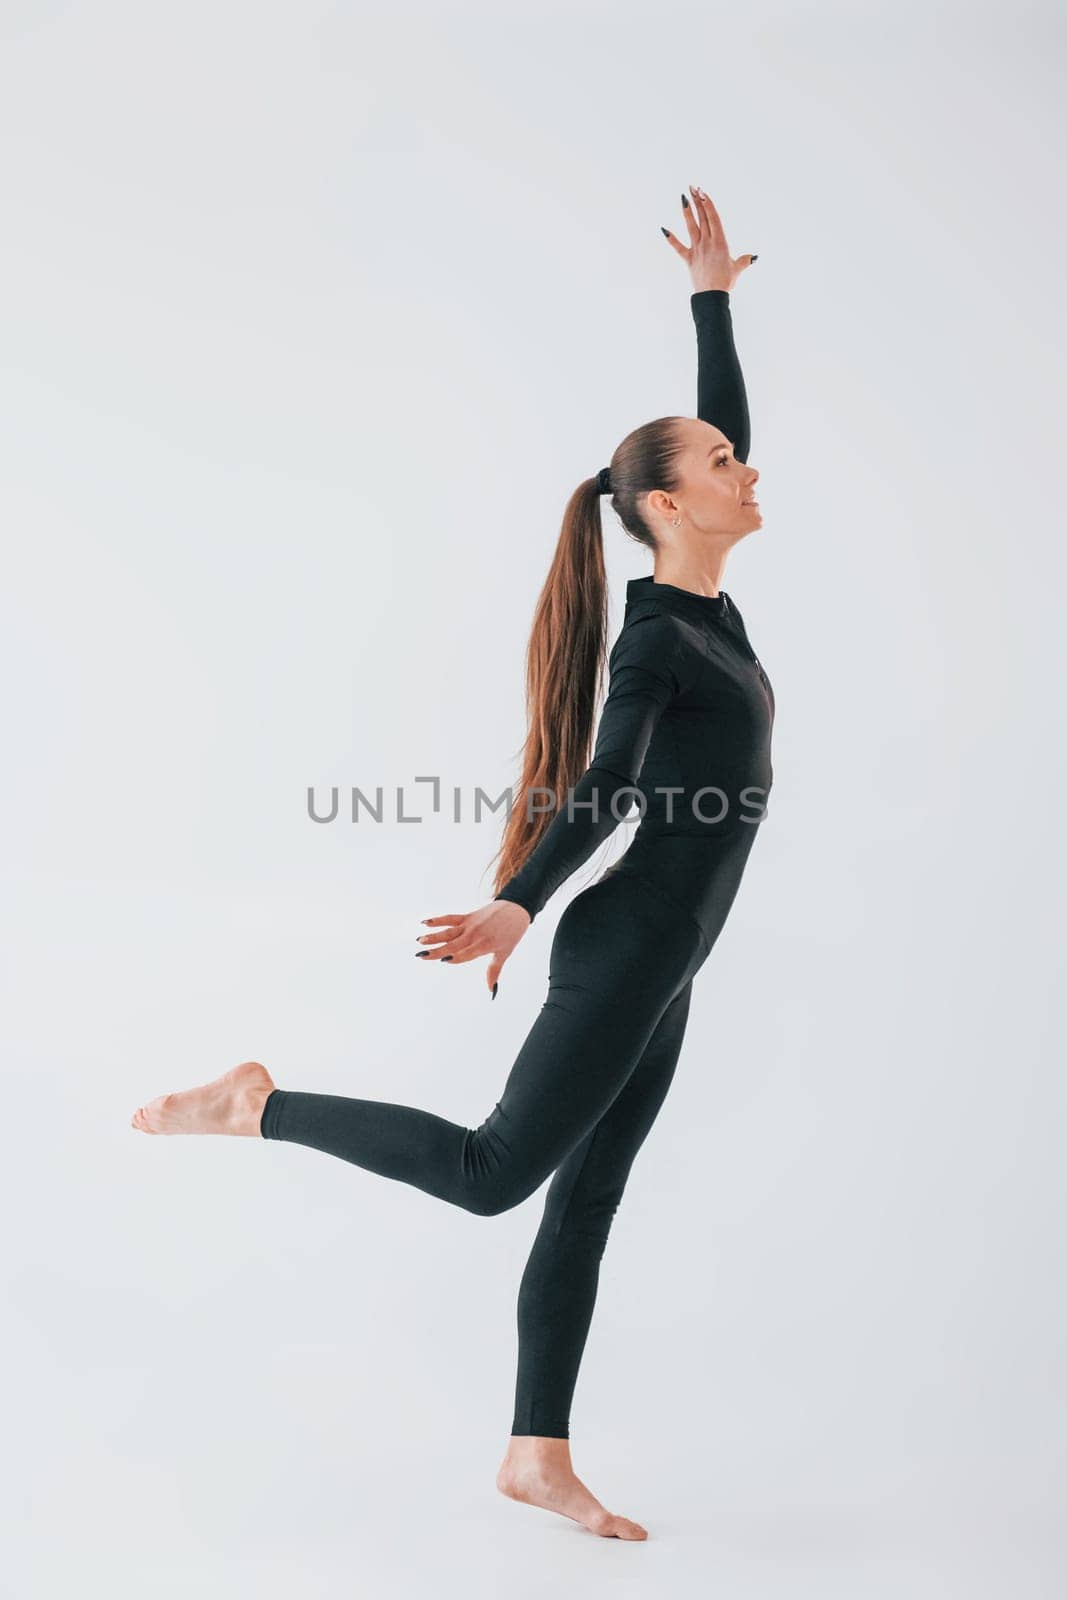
[[686, 725]]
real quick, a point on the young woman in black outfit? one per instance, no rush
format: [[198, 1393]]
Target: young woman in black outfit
[[685, 732]]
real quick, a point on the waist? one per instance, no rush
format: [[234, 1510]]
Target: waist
[[699, 811], [697, 874]]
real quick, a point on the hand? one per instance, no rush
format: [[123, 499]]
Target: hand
[[710, 263], [493, 930]]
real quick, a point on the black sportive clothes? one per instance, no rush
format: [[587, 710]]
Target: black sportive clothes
[[689, 708], [685, 734]]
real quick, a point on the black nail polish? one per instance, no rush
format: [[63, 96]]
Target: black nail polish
[[419, 953], [446, 958], [666, 232], [495, 988], [685, 201], [755, 258]]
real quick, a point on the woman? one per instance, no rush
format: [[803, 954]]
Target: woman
[[689, 713]]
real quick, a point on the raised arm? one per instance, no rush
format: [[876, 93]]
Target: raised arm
[[721, 398], [644, 676]]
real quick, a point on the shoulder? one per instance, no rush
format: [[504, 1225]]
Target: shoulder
[[648, 626], [653, 638]]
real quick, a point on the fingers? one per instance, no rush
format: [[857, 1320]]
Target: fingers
[[450, 941], [676, 244], [456, 948], [439, 952], [693, 228], [457, 942], [448, 929], [708, 211], [468, 950], [445, 936], [702, 221]]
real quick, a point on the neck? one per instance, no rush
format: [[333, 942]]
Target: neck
[[699, 577]]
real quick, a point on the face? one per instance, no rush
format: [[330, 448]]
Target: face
[[717, 493]]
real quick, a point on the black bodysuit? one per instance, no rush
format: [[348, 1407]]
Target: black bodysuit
[[685, 734]]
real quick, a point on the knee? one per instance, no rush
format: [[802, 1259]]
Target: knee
[[585, 1221], [495, 1177], [493, 1198], [500, 1189]]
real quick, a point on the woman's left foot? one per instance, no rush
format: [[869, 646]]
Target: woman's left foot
[[537, 1471], [231, 1104]]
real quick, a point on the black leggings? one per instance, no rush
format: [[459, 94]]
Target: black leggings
[[582, 1094]]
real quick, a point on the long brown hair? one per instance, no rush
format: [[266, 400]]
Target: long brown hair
[[566, 651]]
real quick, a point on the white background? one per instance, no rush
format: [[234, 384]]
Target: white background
[[314, 319]]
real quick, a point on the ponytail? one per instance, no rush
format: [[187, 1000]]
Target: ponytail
[[566, 653], [564, 664]]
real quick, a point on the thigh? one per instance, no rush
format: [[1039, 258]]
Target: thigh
[[590, 1181], [620, 960]]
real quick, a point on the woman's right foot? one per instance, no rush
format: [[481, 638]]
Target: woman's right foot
[[538, 1472], [232, 1103]]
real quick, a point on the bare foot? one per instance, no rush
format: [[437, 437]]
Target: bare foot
[[538, 1472], [231, 1104]]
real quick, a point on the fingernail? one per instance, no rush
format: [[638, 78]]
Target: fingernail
[[446, 958], [419, 953], [755, 258], [685, 201], [495, 987], [666, 232]]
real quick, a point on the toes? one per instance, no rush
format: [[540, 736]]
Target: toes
[[611, 1526]]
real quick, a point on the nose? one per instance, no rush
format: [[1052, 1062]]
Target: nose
[[754, 478]]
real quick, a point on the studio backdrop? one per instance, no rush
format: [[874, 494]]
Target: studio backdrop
[[316, 316]]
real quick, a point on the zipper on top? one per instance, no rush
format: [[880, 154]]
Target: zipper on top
[[739, 629]]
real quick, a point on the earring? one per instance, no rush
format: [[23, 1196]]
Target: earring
[[677, 523]]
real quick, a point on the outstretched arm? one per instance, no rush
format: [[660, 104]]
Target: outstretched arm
[[721, 398], [644, 678]]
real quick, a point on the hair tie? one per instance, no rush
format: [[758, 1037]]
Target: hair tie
[[603, 480]]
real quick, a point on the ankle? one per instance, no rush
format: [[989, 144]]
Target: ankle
[[540, 1450], [252, 1109]]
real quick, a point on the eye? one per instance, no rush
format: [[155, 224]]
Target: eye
[[723, 459]]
